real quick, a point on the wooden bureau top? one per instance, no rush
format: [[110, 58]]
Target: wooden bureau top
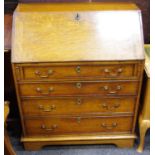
[[77, 32], [39, 7]]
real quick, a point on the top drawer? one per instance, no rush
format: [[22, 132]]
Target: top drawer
[[69, 71]]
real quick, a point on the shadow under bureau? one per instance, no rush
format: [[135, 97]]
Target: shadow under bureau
[[78, 70]]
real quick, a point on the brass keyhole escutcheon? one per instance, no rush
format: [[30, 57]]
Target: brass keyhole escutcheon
[[78, 69], [78, 85], [79, 101], [78, 119], [77, 17]]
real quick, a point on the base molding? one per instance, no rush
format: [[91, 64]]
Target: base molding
[[36, 143]]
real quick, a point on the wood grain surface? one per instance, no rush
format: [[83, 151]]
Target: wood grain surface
[[41, 35], [74, 90], [83, 70], [78, 105], [144, 6], [67, 125], [79, 88]]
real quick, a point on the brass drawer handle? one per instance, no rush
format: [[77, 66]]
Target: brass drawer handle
[[78, 85], [109, 127], [79, 101], [108, 107], [39, 90], [106, 88], [47, 109], [49, 72], [78, 69], [53, 127], [118, 71]]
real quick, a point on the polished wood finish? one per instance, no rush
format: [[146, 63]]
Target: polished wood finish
[[144, 5], [77, 93], [81, 26], [64, 71], [144, 117], [9, 8], [42, 7], [79, 88], [78, 70], [35, 143], [77, 124], [78, 105]]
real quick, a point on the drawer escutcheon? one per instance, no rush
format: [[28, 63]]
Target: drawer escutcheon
[[77, 17], [78, 119], [79, 101], [78, 85], [78, 69]]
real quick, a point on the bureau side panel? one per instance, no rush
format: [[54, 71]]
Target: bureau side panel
[[141, 70], [16, 75]]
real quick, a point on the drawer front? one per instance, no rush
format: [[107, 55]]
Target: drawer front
[[79, 88], [59, 125], [77, 105], [78, 71]]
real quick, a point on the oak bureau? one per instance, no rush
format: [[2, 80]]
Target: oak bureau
[[78, 71]]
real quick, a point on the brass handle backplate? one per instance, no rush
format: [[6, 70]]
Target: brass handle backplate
[[53, 127], [116, 73], [109, 127], [109, 91], [108, 107], [39, 90], [49, 72], [46, 109]]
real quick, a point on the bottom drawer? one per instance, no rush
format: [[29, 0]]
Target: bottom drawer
[[67, 125]]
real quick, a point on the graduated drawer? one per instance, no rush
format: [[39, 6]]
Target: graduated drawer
[[79, 88], [69, 71], [77, 105], [67, 125]]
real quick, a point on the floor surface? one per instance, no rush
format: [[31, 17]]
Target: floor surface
[[81, 149]]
